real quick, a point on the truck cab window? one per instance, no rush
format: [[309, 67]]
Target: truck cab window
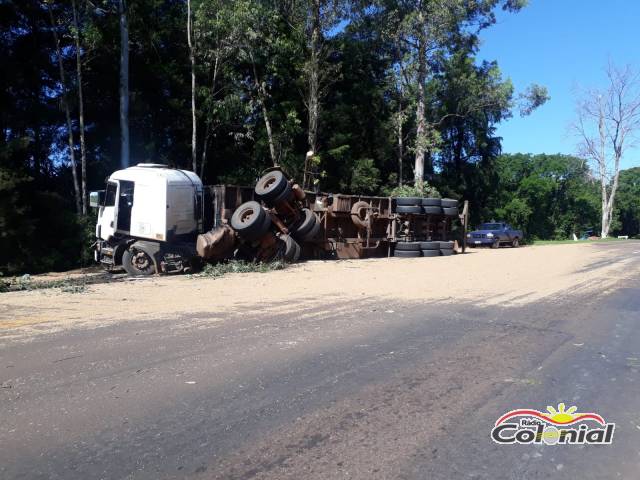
[[110, 194], [125, 204]]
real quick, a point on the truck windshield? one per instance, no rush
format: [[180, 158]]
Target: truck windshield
[[490, 226]]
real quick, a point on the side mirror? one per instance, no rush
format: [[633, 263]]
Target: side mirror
[[96, 199]]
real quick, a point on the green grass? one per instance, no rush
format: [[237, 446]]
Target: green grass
[[25, 283], [561, 242], [238, 266]]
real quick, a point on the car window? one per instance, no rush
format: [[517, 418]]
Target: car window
[[110, 194]]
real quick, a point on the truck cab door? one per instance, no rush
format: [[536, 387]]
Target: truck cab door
[[107, 215]]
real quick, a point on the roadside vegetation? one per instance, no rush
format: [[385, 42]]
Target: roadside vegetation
[[238, 266]]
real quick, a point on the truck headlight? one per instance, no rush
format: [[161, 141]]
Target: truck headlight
[[489, 235], [468, 235]]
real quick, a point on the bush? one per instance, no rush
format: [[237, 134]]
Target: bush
[[413, 191]]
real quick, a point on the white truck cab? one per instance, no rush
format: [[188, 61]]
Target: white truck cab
[[148, 219]]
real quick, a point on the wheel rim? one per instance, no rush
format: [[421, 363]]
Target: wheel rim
[[246, 215], [140, 260]]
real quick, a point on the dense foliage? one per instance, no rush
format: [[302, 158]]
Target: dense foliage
[[261, 70]]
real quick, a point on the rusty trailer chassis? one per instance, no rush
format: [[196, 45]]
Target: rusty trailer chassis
[[354, 226]]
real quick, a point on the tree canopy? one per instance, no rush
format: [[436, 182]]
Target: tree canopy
[[369, 86]]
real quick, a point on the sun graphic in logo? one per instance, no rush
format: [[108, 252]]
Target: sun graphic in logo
[[561, 415]]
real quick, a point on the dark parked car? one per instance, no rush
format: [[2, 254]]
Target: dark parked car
[[494, 234]]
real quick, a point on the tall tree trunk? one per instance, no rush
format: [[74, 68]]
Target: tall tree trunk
[[83, 150], [421, 122], [602, 171], [65, 104], [192, 59], [400, 134], [124, 85], [262, 95], [209, 124], [313, 100]]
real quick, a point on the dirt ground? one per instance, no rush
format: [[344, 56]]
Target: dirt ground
[[487, 277]]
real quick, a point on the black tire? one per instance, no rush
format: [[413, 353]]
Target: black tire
[[515, 243], [429, 245], [249, 220], [408, 246], [291, 249], [448, 245], [431, 202], [449, 203], [271, 185], [446, 252], [450, 211], [408, 201], [138, 263], [432, 210], [309, 220], [407, 253], [313, 233], [415, 209], [431, 253], [284, 196], [496, 244]]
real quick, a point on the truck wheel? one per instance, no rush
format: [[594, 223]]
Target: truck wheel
[[137, 262], [407, 253], [309, 220], [408, 246], [249, 220], [515, 243], [313, 233], [415, 209], [359, 214], [408, 201], [429, 210], [450, 211], [495, 244], [271, 185]]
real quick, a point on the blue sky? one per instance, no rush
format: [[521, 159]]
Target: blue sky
[[561, 44]]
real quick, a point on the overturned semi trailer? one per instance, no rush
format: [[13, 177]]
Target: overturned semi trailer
[[354, 226]]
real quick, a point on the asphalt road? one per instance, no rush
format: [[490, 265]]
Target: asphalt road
[[357, 390]]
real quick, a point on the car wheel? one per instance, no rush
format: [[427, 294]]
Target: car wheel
[[515, 243], [495, 244]]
